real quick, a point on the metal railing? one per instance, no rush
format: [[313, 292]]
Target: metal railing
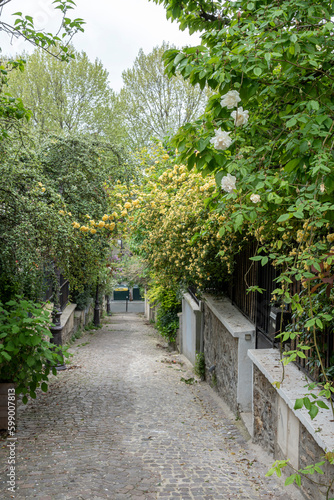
[[64, 292], [259, 308], [63, 286]]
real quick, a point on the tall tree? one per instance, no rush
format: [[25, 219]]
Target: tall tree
[[72, 97], [154, 105]]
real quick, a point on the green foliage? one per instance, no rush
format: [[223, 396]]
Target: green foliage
[[44, 193], [84, 298], [12, 110], [26, 355], [172, 227], [24, 26], [167, 321], [199, 367], [307, 471], [67, 98]]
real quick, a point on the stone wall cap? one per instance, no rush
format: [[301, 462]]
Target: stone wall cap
[[188, 298], [229, 316], [69, 309], [293, 387]]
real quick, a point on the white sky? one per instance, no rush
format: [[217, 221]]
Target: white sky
[[115, 30]]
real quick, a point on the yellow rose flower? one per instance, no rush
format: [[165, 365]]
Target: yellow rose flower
[[101, 223], [105, 217], [92, 222], [124, 212], [114, 214], [127, 205], [61, 212], [40, 184], [112, 226], [43, 189], [92, 230]]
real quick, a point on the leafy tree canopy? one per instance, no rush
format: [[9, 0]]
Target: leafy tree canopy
[[67, 98], [153, 105]]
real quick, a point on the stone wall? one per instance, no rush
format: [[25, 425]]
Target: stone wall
[[264, 412], [287, 433], [221, 352], [310, 453], [227, 336], [67, 323]]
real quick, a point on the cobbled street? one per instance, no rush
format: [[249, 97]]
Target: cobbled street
[[121, 424]]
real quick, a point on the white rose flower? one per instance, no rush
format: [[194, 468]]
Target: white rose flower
[[231, 99], [322, 187], [255, 198], [240, 116], [228, 183], [221, 140]]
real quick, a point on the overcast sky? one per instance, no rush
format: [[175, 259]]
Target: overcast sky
[[115, 30]]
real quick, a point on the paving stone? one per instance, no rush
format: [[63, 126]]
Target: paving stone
[[122, 425]]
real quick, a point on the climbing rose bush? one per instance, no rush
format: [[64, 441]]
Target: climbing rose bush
[[255, 198], [170, 225], [240, 116], [228, 183], [221, 140], [231, 99]]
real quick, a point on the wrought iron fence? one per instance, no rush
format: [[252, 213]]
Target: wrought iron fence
[[48, 289], [260, 309], [64, 292], [193, 293]]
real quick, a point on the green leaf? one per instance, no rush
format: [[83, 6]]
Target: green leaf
[[284, 217], [313, 411], [5, 355], [313, 105], [292, 122], [292, 164], [257, 71], [290, 480], [238, 221], [322, 404], [319, 323], [299, 404]]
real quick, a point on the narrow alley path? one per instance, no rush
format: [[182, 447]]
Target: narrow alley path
[[121, 424]]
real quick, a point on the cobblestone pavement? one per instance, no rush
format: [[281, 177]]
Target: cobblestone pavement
[[121, 424]]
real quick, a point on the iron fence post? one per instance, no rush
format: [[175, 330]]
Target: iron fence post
[[97, 306]]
